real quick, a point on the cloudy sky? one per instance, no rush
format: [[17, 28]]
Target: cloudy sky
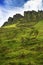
[[11, 7]]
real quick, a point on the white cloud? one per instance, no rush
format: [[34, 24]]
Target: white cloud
[[33, 5], [29, 5]]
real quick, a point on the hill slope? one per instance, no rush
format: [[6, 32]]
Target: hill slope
[[21, 43]]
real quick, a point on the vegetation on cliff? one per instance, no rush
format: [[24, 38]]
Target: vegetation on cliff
[[21, 39]]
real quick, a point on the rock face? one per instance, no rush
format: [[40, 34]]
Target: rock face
[[29, 16], [17, 17], [33, 16], [13, 20]]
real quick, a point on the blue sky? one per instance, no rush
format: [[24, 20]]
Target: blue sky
[[13, 3], [11, 7], [1, 2]]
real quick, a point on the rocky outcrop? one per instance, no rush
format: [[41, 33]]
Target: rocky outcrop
[[29, 16], [13, 20], [33, 16], [17, 17]]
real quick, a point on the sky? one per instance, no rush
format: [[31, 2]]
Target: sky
[[8, 8]]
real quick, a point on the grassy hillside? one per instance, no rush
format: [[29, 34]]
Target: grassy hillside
[[21, 43], [39, 27]]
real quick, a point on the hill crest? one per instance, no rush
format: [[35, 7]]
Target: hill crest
[[28, 17]]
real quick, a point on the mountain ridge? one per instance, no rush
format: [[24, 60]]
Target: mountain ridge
[[28, 16]]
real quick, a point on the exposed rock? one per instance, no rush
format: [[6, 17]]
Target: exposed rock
[[33, 16], [17, 17], [29, 16]]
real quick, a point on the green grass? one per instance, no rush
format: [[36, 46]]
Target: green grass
[[39, 27], [20, 44], [10, 26]]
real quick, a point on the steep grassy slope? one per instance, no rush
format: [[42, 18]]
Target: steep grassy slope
[[39, 27], [22, 44]]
